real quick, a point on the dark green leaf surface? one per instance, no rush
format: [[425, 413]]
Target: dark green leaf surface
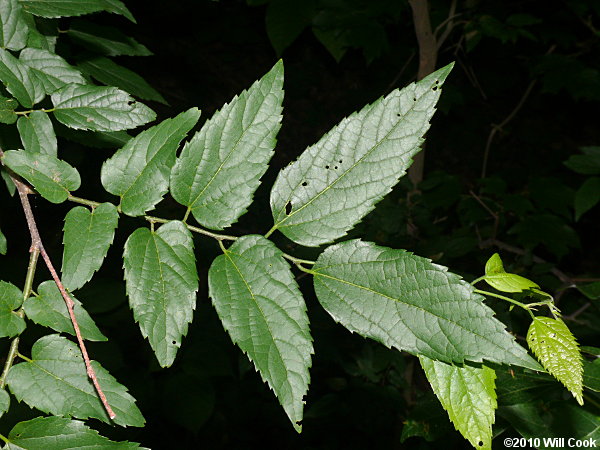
[[337, 181], [88, 235], [99, 108], [49, 310], [19, 80], [118, 7], [405, 301], [220, 168], [588, 163], [11, 298], [59, 433], [468, 394], [590, 290], [37, 133], [55, 382], [108, 41], [107, 72], [52, 70], [161, 279], [2, 243], [587, 196], [94, 139], [262, 309], [62, 8], [4, 402], [556, 348], [496, 277], [591, 375], [7, 110], [13, 28], [139, 172], [51, 177]]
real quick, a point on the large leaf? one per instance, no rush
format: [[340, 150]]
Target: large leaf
[[13, 28], [88, 235], [99, 108], [37, 133], [7, 110], [60, 433], [52, 70], [55, 381], [139, 172], [161, 279], [108, 72], [51, 177], [49, 310], [496, 277], [11, 298], [108, 41], [219, 169], [556, 348], [262, 309], [19, 80], [337, 181], [468, 394], [405, 301]]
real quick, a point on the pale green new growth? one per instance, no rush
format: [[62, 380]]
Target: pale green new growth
[[13, 28], [19, 80], [52, 70], [496, 277], [37, 133], [11, 298]]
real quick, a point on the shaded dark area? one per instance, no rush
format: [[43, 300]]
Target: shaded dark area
[[344, 55]]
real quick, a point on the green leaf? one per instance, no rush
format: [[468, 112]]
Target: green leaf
[[88, 235], [496, 277], [588, 163], [49, 310], [118, 7], [110, 73], [99, 108], [139, 172], [161, 280], [62, 8], [10, 186], [587, 196], [51, 177], [13, 28], [405, 301], [468, 394], [2, 244], [19, 80], [37, 133], [590, 290], [4, 402], [286, 19], [52, 70], [11, 298], [556, 348], [337, 181], [591, 375], [93, 139], [7, 110], [107, 41], [220, 168], [262, 309], [55, 382], [60, 433]]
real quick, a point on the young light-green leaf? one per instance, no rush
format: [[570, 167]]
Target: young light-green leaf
[[7, 110], [108, 41], [19, 80], [11, 298], [13, 28], [496, 277], [139, 172], [405, 301], [37, 133], [587, 196], [161, 280], [468, 394], [52, 70], [60, 433], [88, 235], [258, 301], [52, 178], [49, 310], [55, 382], [99, 108], [556, 348], [220, 168], [337, 181]]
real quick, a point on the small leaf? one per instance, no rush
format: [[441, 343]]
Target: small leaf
[[256, 296], [60, 433], [118, 7], [588, 163], [161, 280], [11, 298], [587, 196], [2, 244], [220, 168], [337, 181], [13, 28], [51, 177], [4, 401], [405, 301], [496, 277], [107, 72], [107, 41], [556, 348], [10, 186], [7, 110], [88, 235], [49, 310], [37, 133], [468, 394], [591, 375], [55, 382], [139, 172], [99, 108], [590, 290], [52, 70], [19, 80]]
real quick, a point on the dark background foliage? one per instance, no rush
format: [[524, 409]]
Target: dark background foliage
[[338, 56]]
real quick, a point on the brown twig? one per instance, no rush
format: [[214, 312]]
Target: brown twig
[[38, 246]]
